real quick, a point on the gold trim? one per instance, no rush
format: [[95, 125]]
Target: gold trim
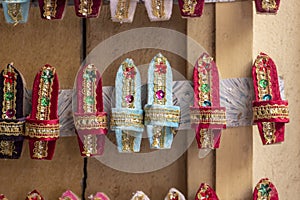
[[9, 104], [161, 114], [159, 81], [128, 141], [15, 12], [12, 128], [89, 89], [208, 117], [85, 7], [49, 8], [7, 147], [121, 11], [189, 7], [158, 8], [90, 122], [40, 149], [126, 119], [42, 130], [270, 112], [265, 195]]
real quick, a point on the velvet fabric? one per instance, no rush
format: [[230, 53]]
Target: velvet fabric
[[265, 190], [197, 12], [58, 12], [276, 99], [35, 119], [205, 192]]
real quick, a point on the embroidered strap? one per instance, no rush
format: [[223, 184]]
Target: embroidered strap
[[91, 122], [127, 116], [271, 111], [12, 128], [191, 8], [208, 117]]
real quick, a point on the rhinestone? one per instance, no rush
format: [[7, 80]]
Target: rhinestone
[[160, 94], [9, 96], [205, 88], [10, 113], [45, 101], [263, 83], [129, 98], [89, 100], [206, 103], [267, 97]]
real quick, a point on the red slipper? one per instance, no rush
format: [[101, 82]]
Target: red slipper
[[34, 195], [87, 8], [2, 197], [265, 190], [89, 118], [267, 6], [205, 192], [12, 116], [269, 110], [52, 9], [42, 126], [191, 8], [207, 117]]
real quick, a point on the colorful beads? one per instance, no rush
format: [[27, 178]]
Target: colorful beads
[[9, 96], [45, 101], [263, 83], [205, 88], [267, 97]]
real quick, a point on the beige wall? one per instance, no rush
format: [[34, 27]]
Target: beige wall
[[279, 36]]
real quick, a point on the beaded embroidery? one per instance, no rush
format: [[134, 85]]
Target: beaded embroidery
[[15, 12], [9, 91], [204, 193], [265, 93], [122, 10], [204, 81], [49, 8], [85, 7], [11, 128], [40, 149], [264, 190], [189, 6], [127, 141], [158, 8]]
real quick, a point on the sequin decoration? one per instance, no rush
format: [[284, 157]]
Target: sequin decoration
[[158, 8], [127, 141], [122, 10], [89, 89], [90, 144], [49, 9], [265, 93], [15, 12], [9, 91], [85, 7], [204, 193], [189, 7]]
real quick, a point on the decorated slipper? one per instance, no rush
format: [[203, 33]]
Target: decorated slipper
[[127, 116], [99, 196], [159, 10], [42, 126], [122, 10], [87, 8], [265, 190], [16, 11], [161, 116], [207, 117], [69, 195], [191, 8], [174, 194], [52, 9], [2, 197], [139, 195], [34, 195], [205, 192], [267, 6], [269, 110], [12, 116], [89, 118]]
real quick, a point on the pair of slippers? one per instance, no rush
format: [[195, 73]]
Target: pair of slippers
[[269, 110], [127, 117], [41, 127]]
